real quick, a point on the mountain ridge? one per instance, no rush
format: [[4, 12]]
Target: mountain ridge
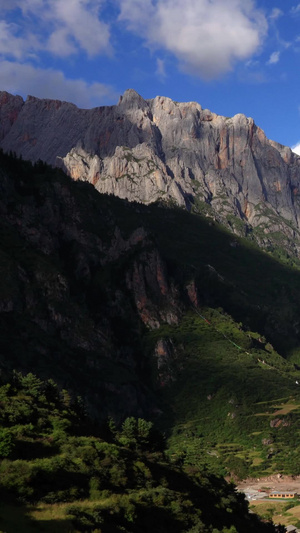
[[151, 310], [158, 149], [166, 314]]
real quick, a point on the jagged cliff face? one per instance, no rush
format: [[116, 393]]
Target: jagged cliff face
[[149, 150], [77, 291]]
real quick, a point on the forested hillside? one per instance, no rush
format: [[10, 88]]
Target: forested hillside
[[59, 473], [148, 312]]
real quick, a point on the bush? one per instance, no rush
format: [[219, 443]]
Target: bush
[[6, 442]]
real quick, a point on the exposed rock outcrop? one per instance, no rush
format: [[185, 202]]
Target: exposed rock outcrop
[[158, 149]]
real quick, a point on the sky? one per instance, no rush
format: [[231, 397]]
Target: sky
[[230, 56]]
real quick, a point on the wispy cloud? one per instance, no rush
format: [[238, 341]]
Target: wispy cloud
[[207, 37], [254, 77], [161, 68], [274, 58], [295, 9], [275, 13]]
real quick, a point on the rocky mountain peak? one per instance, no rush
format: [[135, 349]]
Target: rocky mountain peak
[[132, 100], [158, 149]]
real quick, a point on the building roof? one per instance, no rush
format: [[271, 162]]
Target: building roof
[[283, 492], [290, 529]]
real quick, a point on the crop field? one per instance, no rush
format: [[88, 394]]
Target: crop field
[[286, 513]]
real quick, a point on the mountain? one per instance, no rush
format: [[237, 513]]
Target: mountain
[[95, 294], [151, 312], [158, 149], [158, 310]]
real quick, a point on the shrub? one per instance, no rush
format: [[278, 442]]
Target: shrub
[[6, 442]]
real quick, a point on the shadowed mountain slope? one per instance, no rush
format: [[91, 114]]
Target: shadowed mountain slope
[[147, 311]]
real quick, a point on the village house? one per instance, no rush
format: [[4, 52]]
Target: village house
[[285, 495]]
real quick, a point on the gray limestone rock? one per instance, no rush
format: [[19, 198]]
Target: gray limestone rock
[[158, 149]]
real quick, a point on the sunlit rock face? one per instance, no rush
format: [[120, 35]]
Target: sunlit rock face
[[158, 149]]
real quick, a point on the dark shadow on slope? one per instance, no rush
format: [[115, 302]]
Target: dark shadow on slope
[[54, 235]]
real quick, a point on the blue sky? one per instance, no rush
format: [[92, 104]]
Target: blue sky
[[231, 56]]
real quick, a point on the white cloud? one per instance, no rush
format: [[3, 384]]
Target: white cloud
[[296, 148], [58, 27], [25, 79], [9, 43], [274, 58], [60, 44], [13, 46], [79, 20], [206, 36], [61, 27]]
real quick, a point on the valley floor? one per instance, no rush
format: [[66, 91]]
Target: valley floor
[[273, 483], [281, 511]]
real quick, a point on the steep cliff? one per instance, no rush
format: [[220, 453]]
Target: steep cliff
[[149, 150], [78, 291]]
